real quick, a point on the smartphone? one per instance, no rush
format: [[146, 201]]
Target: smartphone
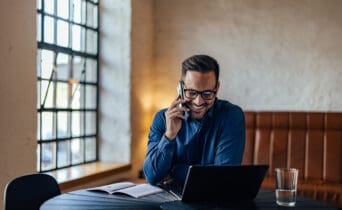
[[180, 90]]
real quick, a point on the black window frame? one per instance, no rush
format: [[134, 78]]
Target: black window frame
[[53, 81]]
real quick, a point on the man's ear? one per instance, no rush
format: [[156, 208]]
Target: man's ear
[[217, 86]]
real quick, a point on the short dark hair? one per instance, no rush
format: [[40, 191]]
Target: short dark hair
[[201, 63]]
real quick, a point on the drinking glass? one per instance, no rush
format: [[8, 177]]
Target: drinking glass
[[286, 186]]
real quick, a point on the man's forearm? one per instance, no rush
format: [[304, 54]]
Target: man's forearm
[[158, 161]]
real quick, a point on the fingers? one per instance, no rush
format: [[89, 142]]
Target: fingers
[[176, 108], [176, 112], [174, 116], [178, 101]]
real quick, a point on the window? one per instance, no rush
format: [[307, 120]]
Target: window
[[67, 76]]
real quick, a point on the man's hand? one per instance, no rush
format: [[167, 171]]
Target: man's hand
[[174, 116]]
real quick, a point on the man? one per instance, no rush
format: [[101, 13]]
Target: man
[[205, 130]]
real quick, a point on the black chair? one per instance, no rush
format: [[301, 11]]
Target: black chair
[[30, 191]]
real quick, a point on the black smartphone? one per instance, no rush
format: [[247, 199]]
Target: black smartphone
[[180, 90]]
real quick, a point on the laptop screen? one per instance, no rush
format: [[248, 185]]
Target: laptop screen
[[223, 183]]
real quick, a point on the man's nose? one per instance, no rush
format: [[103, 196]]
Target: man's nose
[[198, 100]]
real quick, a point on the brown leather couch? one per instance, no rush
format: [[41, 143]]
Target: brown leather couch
[[309, 141]]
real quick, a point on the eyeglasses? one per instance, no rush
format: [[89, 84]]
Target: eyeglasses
[[206, 94]]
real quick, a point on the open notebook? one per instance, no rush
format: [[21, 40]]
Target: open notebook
[[128, 188]]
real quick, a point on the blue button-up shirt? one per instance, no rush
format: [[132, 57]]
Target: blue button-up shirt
[[217, 139]]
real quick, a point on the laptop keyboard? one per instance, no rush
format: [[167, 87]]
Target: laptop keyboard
[[175, 191]]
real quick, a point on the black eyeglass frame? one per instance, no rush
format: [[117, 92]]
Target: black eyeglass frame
[[202, 93]]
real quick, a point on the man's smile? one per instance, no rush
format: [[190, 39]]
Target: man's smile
[[198, 109]]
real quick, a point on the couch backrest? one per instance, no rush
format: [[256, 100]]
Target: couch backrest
[[309, 141]]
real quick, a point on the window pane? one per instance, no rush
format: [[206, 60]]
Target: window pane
[[83, 9], [90, 96], [38, 95], [76, 37], [62, 66], [76, 151], [47, 57], [91, 70], [77, 11], [63, 153], [78, 67], [49, 6], [62, 95], [38, 126], [90, 15], [63, 124], [77, 78], [47, 125], [90, 123], [76, 123], [90, 149], [39, 4], [62, 33], [48, 155], [48, 30], [82, 39], [38, 157], [39, 63], [48, 92], [39, 23], [91, 42], [95, 23], [63, 8], [75, 99]]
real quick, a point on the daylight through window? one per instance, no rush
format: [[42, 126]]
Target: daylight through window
[[67, 72]]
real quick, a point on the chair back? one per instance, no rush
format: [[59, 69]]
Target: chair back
[[30, 191]]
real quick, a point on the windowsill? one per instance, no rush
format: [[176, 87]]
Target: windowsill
[[83, 174]]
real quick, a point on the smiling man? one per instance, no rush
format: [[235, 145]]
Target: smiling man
[[204, 130]]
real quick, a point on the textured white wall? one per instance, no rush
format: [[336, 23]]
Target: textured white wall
[[115, 86], [274, 55]]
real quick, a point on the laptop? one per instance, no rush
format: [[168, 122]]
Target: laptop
[[223, 183]]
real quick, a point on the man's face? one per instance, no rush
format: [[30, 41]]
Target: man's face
[[197, 81]]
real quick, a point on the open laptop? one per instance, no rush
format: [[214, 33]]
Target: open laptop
[[223, 183]]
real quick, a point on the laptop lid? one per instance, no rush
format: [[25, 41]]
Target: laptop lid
[[223, 183]]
